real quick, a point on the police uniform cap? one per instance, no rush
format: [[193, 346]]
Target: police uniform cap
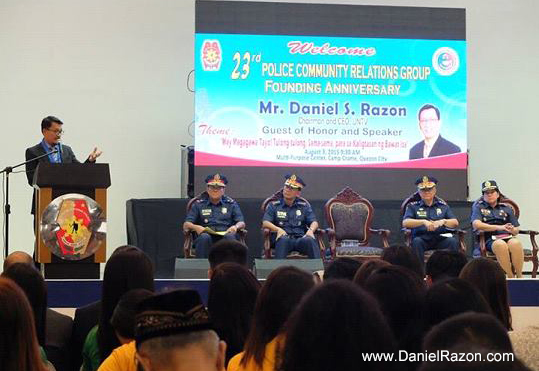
[[216, 180], [426, 182], [172, 313], [489, 185], [293, 181]]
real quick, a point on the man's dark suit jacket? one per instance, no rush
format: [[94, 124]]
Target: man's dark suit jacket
[[68, 157], [441, 147], [57, 339], [85, 319]]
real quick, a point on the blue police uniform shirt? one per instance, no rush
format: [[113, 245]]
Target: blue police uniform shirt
[[219, 217], [437, 211], [295, 219], [498, 215]]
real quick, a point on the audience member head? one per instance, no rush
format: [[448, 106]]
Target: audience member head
[[344, 268], [19, 349], [123, 317], [33, 285], [343, 318], [401, 295], [227, 251], [403, 256], [367, 268], [451, 297], [444, 264], [480, 329], [231, 300], [18, 257], [277, 299], [470, 333], [127, 268], [489, 278], [174, 332], [473, 365]]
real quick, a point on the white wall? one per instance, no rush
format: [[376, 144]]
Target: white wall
[[115, 72]]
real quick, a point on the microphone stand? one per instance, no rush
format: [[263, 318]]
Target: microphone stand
[[7, 208]]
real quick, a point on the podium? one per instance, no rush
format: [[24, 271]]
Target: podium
[[52, 181]]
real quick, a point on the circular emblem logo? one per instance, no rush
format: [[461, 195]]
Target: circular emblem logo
[[73, 226], [445, 61]]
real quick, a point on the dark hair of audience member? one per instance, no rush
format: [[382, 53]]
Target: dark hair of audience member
[[227, 251], [19, 349], [470, 333], [451, 297], [123, 317], [476, 364], [445, 264], [277, 299], [401, 295], [367, 268], [343, 267], [33, 285], [232, 296], [489, 278], [480, 329], [403, 256], [127, 268], [333, 326]]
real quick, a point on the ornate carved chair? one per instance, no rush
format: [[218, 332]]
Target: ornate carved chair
[[530, 255], [269, 236], [349, 217], [190, 236], [408, 232]]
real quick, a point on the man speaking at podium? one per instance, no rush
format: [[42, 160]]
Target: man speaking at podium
[[51, 128]]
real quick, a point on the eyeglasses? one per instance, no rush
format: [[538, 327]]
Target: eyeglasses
[[428, 121], [57, 132]]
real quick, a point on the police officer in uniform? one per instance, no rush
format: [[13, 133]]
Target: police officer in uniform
[[429, 220], [211, 214], [293, 220], [500, 225]]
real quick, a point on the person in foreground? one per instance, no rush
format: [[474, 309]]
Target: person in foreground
[[500, 225], [174, 333], [19, 349], [334, 326], [429, 219], [276, 301], [214, 217], [293, 220]]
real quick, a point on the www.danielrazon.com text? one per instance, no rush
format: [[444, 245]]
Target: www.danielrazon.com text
[[438, 356]]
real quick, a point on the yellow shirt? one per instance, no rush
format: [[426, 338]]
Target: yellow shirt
[[121, 359], [268, 363]]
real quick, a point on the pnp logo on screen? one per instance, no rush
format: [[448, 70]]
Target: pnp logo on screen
[[211, 55], [445, 61]]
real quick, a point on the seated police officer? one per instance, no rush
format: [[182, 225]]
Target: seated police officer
[[293, 220], [500, 225], [429, 220], [214, 216]]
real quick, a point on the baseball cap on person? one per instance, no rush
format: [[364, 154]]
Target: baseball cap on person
[[489, 185], [294, 181], [426, 182], [216, 180]]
